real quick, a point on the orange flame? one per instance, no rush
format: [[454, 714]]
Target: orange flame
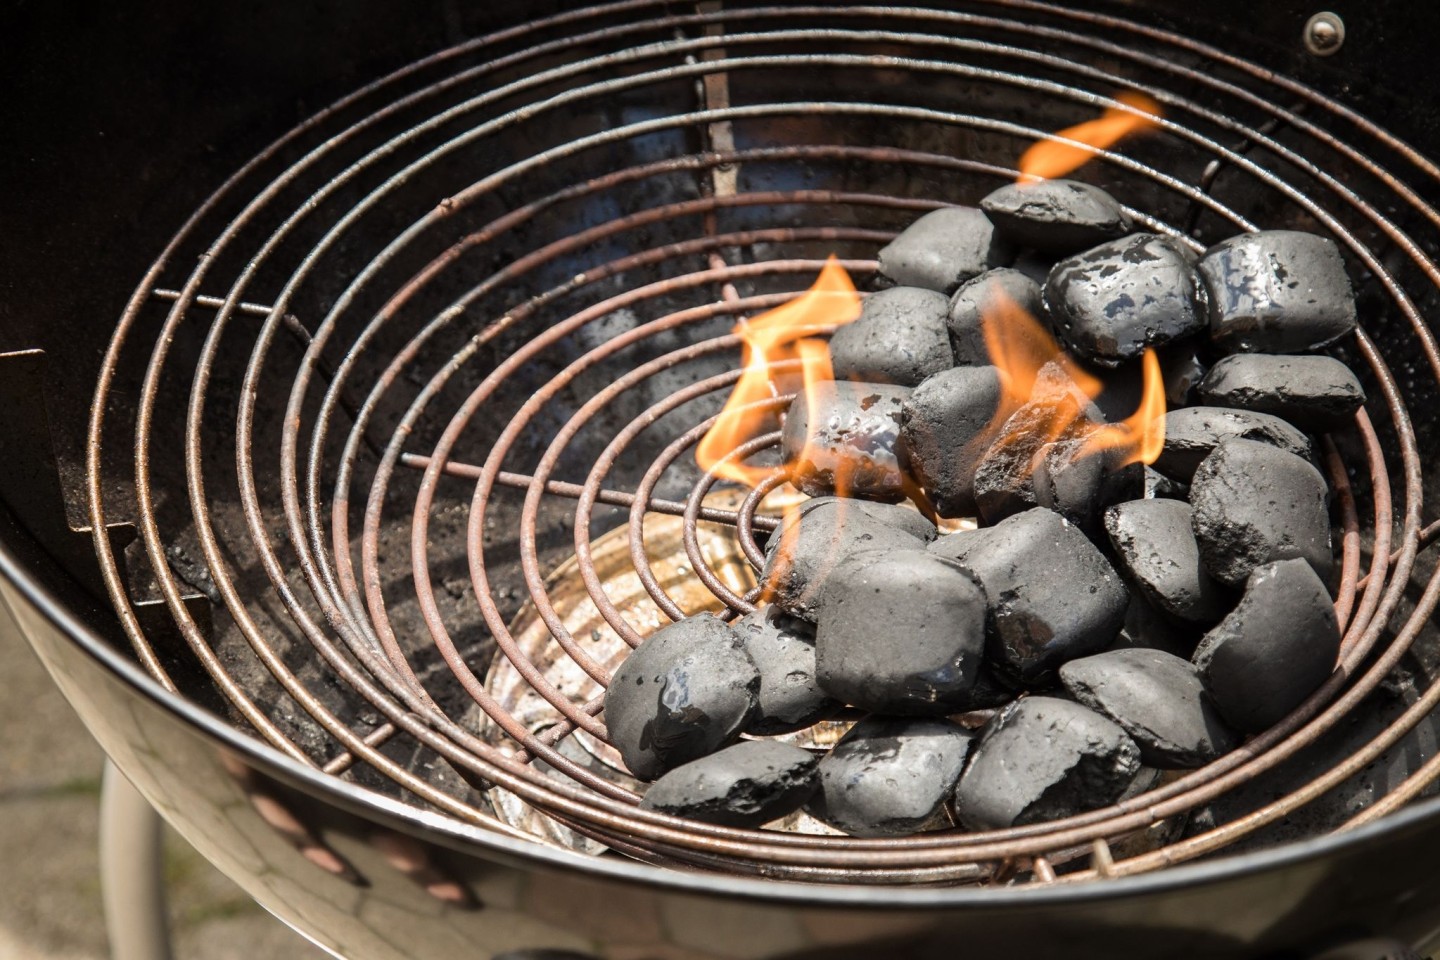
[[1049, 159], [779, 335]]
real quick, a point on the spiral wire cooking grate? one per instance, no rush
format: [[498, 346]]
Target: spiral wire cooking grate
[[428, 344]]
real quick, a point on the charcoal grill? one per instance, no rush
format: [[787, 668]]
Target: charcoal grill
[[466, 323]]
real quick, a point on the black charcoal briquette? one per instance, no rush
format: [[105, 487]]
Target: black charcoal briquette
[[1154, 541], [782, 648], [746, 785], [684, 693], [1181, 369], [890, 777], [901, 337], [943, 249], [1158, 699], [1277, 291], [1042, 759], [1274, 649], [906, 518], [1315, 393], [845, 441], [992, 294], [1056, 216], [1192, 433], [802, 555], [1254, 504], [901, 633], [1051, 595], [944, 432], [1148, 629], [1110, 303]]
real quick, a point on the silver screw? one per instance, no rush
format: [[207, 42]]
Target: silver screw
[[1324, 34]]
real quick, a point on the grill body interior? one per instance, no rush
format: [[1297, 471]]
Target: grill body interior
[[329, 414]]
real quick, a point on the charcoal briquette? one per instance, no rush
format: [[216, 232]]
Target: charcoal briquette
[[991, 295], [890, 777], [684, 693], [902, 633], [1254, 504], [1056, 216], [1041, 759], [901, 337], [1277, 291], [1315, 393], [944, 432], [782, 648], [943, 249], [1181, 368], [1193, 432], [1148, 629], [1110, 303], [1158, 699], [1275, 648], [1154, 542], [745, 785], [845, 441], [1051, 596], [1159, 486]]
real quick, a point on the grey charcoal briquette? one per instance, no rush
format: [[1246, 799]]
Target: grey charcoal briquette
[[889, 777], [1110, 303], [906, 518], [1041, 759], [1158, 699], [901, 633], [1277, 291], [943, 249], [1051, 595], [901, 337], [782, 648], [1181, 369], [1159, 486], [745, 785], [1148, 629], [847, 443], [944, 430], [801, 556], [684, 693], [988, 295], [1192, 433], [1253, 504], [1315, 393], [1154, 541], [1056, 216], [1275, 648]]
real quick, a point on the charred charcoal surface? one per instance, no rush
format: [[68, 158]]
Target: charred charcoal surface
[[1056, 216], [889, 777], [745, 785], [1052, 596], [1041, 759], [1154, 541], [804, 554], [1110, 303], [1277, 291], [943, 434], [1192, 433], [1158, 699], [943, 249], [1278, 645], [783, 651], [853, 430], [1148, 629], [684, 693], [901, 633], [988, 295], [1315, 393], [1254, 504], [901, 337]]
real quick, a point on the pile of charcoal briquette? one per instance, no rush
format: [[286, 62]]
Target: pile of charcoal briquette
[[1104, 621]]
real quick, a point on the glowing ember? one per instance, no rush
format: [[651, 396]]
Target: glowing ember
[[1052, 158]]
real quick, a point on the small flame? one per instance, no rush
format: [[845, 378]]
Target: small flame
[[783, 334], [1140, 437], [1049, 159]]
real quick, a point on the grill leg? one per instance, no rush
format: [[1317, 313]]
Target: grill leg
[[132, 880]]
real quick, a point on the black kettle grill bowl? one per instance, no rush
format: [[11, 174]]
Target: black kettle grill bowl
[[548, 232]]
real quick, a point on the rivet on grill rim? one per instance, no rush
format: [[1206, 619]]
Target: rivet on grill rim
[[1324, 34]]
